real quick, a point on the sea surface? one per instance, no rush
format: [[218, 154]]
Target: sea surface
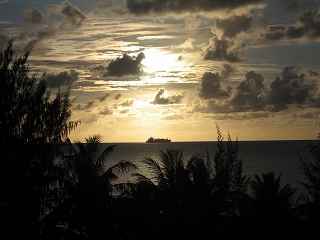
[[281, 157]]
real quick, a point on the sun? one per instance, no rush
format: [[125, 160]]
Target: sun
[[158, 61]]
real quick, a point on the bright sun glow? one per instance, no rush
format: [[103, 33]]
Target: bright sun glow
[[160, 61]]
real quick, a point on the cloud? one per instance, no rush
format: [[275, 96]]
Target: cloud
[[3, 1], [117, 96], [210, 83], [226, 71], [234, 25], [104, 6], [307, 26], [291, 88], [310, 113], [188, 44], [36, 37], [89, 118], [252, 95], [34, 16], [88, 105], [242, 116], [160, 99], [313, 73], [106, 111], [125, 66], [127, 103], [192, 23], [62, 79], [104, 97], [72, 15], [223, 50], [160, 7], [211, 88]]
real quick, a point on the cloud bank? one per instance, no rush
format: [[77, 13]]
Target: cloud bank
[[62, 79], [160, 7], [252, 95]]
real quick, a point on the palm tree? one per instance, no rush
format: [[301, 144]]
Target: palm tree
[[273, 206], [181, 191], [88, 190]]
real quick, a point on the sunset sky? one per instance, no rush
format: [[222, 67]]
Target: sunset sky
[[174, 68]]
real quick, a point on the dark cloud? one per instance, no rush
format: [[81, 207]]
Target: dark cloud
[[162, 100], [104, 97], [127, 103], [106, 111], [211, 88], [34, 16], [227, 70], [250, 94], [292, 88], [62, 79], [313, 73], [234, 25], [223, 50], [72, 15], [117, 96], [124, 111], [308, 26], [34, 38], [125, 66], [144, 7], [87, 106]]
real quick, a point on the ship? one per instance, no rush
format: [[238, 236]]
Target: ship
[[157, 140]]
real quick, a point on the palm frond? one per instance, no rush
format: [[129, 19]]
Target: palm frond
[[121, 167]]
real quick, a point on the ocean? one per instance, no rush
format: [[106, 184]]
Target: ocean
[[258, 157]]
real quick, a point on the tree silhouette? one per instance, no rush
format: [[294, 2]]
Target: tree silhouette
[[88, 191], [228, 166], [32, 125], [229, 180], [273, 206], [311, 201]]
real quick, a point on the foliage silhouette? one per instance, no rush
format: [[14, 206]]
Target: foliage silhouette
[[228, 166], [311, 201], [273, 211], [88, 190], [32, 125], [229, 178]]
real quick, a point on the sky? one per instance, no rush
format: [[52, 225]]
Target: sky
[[176, 68]]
